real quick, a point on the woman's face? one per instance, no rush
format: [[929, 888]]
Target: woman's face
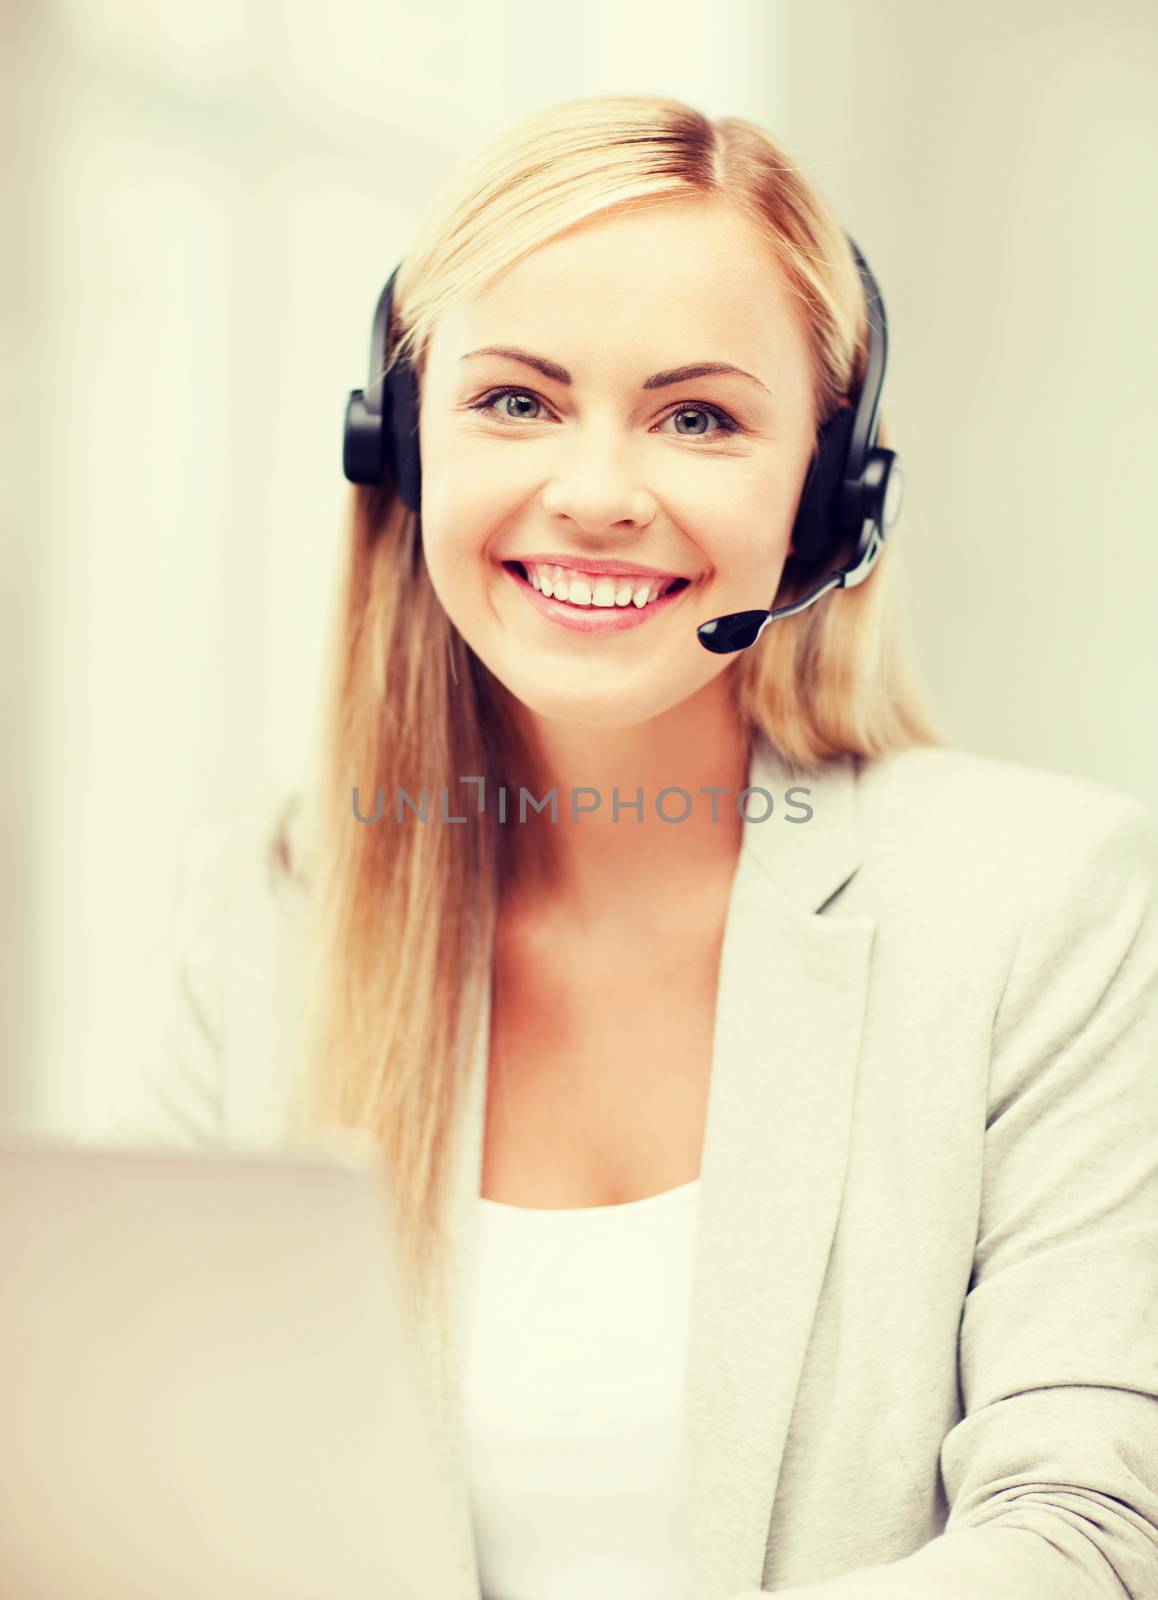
[[593, 444]]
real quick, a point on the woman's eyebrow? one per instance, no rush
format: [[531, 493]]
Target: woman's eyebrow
[[658, 380]]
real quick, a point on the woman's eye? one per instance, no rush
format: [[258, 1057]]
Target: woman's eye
[[508, 412], [694, 422]]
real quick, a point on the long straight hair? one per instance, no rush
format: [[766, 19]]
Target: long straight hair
[[401, 915]]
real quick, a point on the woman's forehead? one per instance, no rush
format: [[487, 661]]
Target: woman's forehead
[[673, 285]]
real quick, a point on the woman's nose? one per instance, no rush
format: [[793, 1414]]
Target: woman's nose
[[595, 486]]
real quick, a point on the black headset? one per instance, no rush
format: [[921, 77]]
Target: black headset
[[853, 487]]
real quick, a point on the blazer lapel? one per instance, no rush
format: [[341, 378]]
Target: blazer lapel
[[788, 1023], [788, 1026]]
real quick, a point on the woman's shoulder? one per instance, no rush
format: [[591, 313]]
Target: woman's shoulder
[[964, 795], [241, 898], [952, 780], [251, 858], [959, 824], [206, 1057]]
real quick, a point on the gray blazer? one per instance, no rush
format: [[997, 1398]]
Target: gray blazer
[[924, 1332]]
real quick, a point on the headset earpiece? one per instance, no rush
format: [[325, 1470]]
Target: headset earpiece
[[820, 498], [851, 480], [382, 420], [852, 492]]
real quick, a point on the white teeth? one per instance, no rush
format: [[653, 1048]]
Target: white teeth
[[582, 589]]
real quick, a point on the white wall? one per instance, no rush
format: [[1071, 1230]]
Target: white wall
[[997, 165], [206, 198]]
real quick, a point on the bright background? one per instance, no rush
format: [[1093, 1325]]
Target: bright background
[[203, 199]]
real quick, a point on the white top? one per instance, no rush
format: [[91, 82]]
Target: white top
[[575, 1359]]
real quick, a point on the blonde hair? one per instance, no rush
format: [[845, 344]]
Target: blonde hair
[[401, 915]]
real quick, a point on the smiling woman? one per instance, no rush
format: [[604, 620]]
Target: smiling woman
[[626, 329], [733, 1154]]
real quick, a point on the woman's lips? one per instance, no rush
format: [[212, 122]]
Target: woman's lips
[[592, 619]]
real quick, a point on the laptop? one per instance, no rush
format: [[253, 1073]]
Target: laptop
[[207, 1386]]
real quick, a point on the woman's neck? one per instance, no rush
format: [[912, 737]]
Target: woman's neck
[[606, 864]]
